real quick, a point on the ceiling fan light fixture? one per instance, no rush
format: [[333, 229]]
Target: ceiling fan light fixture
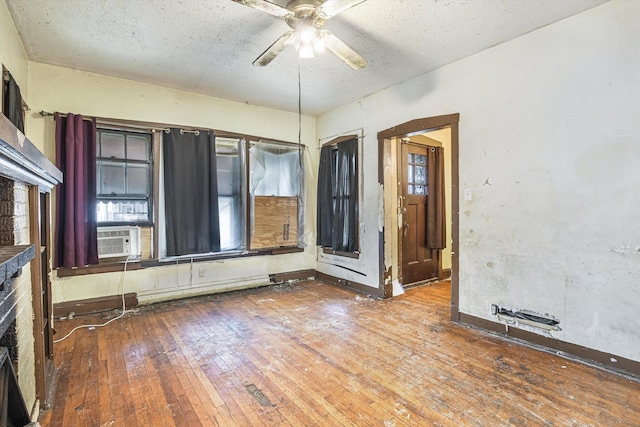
[[306, 19], [306, 50], [306, 33]]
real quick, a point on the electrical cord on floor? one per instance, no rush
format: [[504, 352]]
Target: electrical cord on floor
[[124, 308]]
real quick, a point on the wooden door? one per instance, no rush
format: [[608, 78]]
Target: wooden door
[[418, 263]]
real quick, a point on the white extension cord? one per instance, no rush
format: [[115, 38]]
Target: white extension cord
[[124, 308]]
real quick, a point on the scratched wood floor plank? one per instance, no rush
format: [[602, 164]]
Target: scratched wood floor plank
[[322, 356]]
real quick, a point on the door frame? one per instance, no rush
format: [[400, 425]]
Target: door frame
[[409, 128]]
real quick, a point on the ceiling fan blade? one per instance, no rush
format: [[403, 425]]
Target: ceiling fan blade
[[342, 51], [273, 50], [268, 7], [333, 7]]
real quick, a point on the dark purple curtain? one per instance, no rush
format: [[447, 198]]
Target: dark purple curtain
[[436, 223], [13, 103], [76, 229]]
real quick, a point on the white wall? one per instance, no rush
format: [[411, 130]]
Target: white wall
[[550, 147], [65, 90], [12, 53], [14, 58]]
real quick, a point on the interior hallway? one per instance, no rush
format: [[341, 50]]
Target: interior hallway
[[314, 354]]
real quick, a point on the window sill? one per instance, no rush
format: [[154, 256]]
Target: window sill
[[125, 223], [142, 264], [97, 269], [329, 251], [220, 256]]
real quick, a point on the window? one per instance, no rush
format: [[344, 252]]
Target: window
[[124, 171], [337, 205], [257, 188], [230, 162], [276, 182]]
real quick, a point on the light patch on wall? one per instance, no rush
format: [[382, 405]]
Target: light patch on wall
[[625, 250]]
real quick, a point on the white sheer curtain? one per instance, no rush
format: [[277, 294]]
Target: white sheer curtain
[[275, 170]]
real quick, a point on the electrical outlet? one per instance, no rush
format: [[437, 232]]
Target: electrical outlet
[[202, 271], [494, 309]]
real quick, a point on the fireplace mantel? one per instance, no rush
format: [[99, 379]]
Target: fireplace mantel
[[20, 160]]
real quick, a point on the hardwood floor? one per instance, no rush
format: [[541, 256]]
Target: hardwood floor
[[313, 354]]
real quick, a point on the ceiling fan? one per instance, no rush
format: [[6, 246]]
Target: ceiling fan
[[306, 18]]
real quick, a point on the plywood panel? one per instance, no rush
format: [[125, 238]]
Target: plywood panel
[[275, 222], [146, 242]]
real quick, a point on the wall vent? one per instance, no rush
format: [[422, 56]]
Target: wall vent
[[118, 241], [525, 317]]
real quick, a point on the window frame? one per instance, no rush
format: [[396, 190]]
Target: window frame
[[334, 144], [155, 217], [150, 162]]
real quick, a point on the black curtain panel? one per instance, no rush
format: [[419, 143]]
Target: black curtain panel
[[76, 228], [436, 223], [191, 193], [13, 103], [346, 210], [325, 203]]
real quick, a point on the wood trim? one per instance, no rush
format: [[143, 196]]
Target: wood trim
[[445, 274], [97, 269], [340, 139], [286, 250], [455, 220], [21, 152], [419, 125], [37, 294], [329, 251], [292, 275], [585, 354], [155, 126], [386, 287], [354, 286], [94, 305]]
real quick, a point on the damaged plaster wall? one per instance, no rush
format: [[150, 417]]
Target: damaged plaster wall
[[549, 142]]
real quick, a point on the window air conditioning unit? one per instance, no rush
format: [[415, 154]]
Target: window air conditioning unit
[[118, 241]]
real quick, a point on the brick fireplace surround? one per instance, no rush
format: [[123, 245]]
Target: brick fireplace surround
[[26, 178]]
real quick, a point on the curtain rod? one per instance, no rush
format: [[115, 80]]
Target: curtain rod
[[165, 127]]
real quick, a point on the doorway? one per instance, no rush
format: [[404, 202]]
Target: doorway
[[403, 259], [418, 261]]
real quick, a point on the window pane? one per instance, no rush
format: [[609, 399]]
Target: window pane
[[112, 145], [137, 147], [229, 179], [111, 178], [229, 209], [275, 170], [122, 210], [420, 175], [420, 159], [137, 179]]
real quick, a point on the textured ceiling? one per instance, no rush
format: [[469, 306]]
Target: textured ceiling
[[208, 46]]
